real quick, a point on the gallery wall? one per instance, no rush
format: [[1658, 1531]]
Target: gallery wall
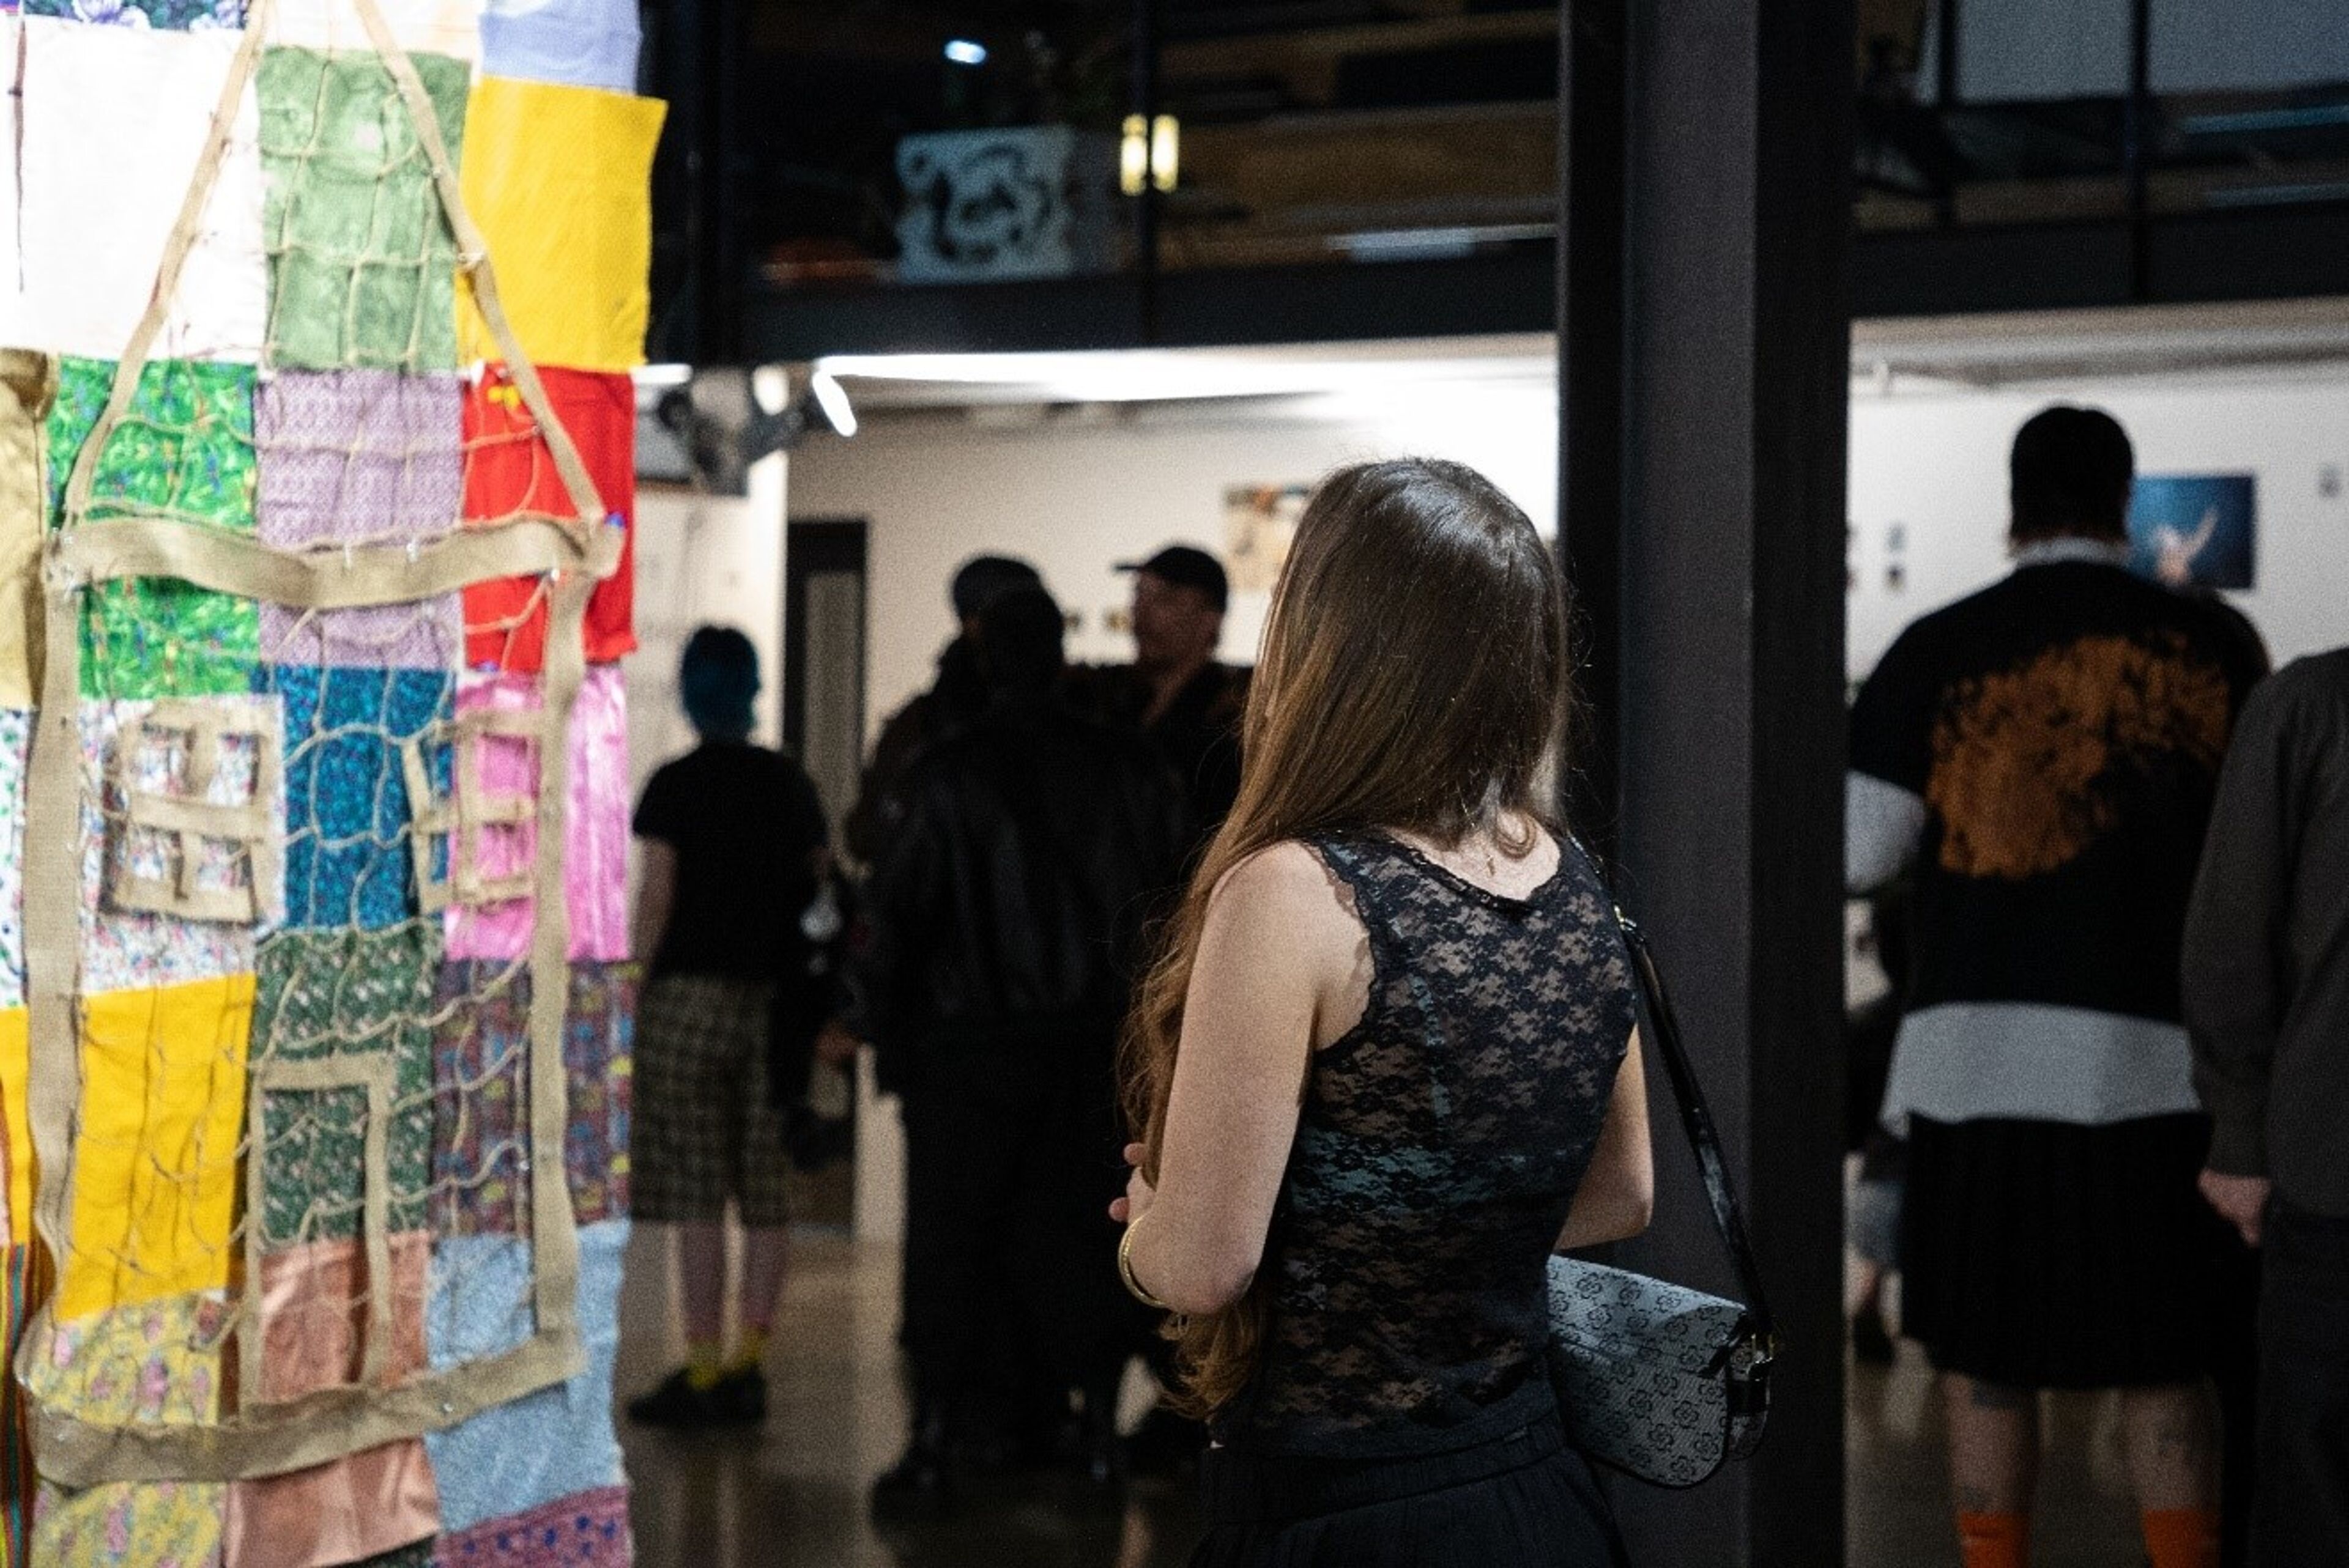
[[1928, 469], [1928, 492]]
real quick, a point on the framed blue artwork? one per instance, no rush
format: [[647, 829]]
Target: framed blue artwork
[[2195, 530]]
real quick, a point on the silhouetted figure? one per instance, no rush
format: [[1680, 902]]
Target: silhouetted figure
[[1032, 846]]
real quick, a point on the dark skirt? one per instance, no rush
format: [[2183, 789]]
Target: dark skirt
[[2043, 1254], [1525, 1500]]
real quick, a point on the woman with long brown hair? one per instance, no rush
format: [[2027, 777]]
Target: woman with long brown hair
[[1386, 1062]]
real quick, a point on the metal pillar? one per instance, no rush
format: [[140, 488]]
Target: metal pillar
[[1718, 586]]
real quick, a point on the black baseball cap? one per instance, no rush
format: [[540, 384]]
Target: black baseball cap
[[1187, 567]]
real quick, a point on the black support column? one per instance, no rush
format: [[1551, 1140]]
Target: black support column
[[1714, 583]]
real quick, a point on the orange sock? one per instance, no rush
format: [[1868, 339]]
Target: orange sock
[[1997, 1540], [2182, 1537]]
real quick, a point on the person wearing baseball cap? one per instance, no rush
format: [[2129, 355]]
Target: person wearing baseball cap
[[1177, 693]]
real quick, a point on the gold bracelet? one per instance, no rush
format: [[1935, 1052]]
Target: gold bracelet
[[1125, 1272]]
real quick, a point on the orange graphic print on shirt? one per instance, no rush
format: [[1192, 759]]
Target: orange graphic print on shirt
[[2033, 764]]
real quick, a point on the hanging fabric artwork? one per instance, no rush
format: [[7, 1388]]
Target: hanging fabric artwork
[[313, 1022]]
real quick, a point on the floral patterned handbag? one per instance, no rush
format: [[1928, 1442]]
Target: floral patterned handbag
[[1660, 1381]]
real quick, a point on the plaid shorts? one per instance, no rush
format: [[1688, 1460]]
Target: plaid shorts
[[705, 1129]]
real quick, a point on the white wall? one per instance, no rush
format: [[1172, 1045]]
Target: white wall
[[1076, 498], [1933, 464], [702, 559]]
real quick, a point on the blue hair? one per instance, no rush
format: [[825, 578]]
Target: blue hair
[[717, 680]]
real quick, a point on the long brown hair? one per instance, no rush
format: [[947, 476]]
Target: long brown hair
[[1414, 677]]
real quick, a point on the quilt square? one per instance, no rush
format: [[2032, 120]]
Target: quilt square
[[510, 472], [115, 120], [450, 27], [480, 1096], [156, 1173], [595, 825], [360, 457], [355, 1510], [570, 43], [336, 995], [362, 262], [126, 948], [314, 1311], [571, 236], [183, 450], [588, 1530], [347, 857], [551, 1445], [157, 1364], [16, 1134], [130, 1524], [599, 1058], [480, 1057]]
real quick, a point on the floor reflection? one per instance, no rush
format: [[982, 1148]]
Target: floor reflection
[[792, 1496]]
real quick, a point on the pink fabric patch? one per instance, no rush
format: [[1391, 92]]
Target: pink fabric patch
[[596, 859], [587, 1531]]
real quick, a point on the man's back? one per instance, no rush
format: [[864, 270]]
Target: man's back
[[2063, 730], [744, 822], [1034, 846]]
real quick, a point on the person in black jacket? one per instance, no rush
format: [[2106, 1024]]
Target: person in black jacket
[[957, 695], [1033, 846], [2266, 975]]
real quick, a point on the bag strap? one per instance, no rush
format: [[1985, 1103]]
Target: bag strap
[[1696, 1120]]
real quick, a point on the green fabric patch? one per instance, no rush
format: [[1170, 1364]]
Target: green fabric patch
[[183, 449], [338, 995], [362, 262]]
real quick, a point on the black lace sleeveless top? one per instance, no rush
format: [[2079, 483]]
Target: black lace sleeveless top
[[1439, 1146]]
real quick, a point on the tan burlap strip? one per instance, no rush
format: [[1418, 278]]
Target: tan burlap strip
[[331, 579], [473, 258], [374, 1075], [555, 1255]]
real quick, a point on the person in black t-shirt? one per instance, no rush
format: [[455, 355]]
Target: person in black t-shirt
[[732, 841], [2042, 757]]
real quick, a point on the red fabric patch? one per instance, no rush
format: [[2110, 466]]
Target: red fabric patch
[[509, 469]]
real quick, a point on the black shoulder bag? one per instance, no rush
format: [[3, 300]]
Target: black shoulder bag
[[1660, 1381]]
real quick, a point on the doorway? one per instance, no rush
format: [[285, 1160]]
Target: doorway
[[824, 726]]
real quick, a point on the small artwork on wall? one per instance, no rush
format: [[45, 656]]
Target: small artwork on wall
[[1259, 522], [2195, 530]]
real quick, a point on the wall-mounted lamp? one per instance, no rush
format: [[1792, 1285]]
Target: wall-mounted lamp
[[727, 427], [1150, 154]]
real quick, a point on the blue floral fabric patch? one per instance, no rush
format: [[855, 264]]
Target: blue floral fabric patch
[[348, 815]]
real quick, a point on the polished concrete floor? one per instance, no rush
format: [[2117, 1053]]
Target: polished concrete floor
[[792, 1496]]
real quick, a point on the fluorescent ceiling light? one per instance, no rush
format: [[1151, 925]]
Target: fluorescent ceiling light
[[663, 375]]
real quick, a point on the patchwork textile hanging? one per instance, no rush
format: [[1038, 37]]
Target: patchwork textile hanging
[[314, 1012]]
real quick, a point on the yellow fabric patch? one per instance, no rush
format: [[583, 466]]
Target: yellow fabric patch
[[155, 1163], [560, 181], [15, 1118], [128, 1525]]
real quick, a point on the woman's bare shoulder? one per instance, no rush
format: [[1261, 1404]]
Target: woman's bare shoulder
[[1285, 893]]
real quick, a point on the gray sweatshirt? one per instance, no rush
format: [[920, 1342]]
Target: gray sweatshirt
[[2266, 942]]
